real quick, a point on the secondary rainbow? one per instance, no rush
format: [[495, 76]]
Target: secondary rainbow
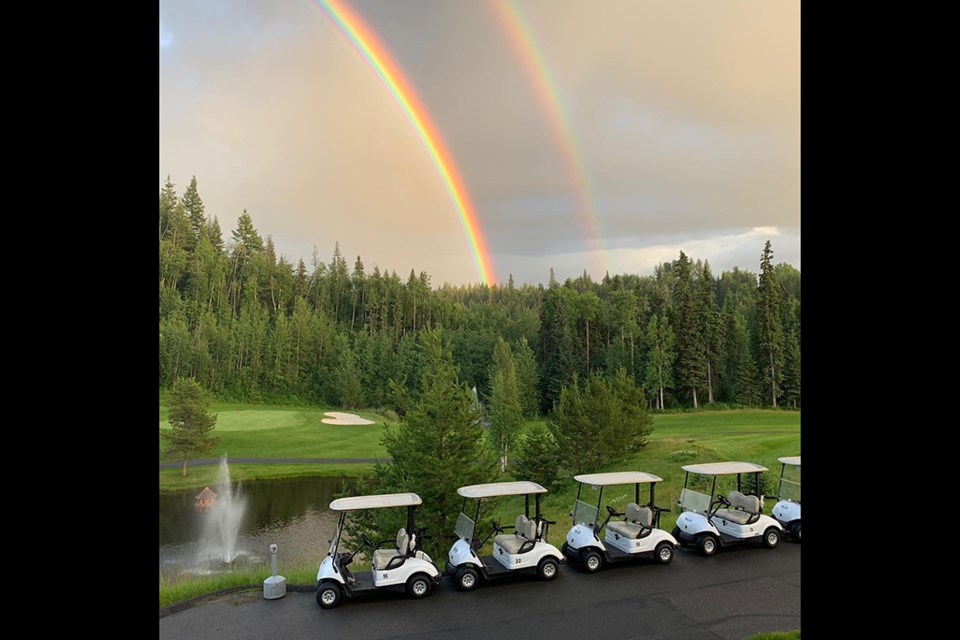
[[376, 54], [523, 41]]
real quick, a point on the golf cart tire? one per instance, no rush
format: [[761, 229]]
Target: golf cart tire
[[467, 578], [590, 560], [419, 586], [548, 569], [664, 553], [707, 544], [329, 595], [795, 532], [676, 534], [771, 538]]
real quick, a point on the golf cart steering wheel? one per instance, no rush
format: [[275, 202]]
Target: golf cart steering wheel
[[496, 527], [367, 541], [723, 501], [611, 511]]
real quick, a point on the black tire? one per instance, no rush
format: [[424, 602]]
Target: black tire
[[548, 568], [419, 586], [676, 534], [707, 545], [771, 537], [795, 532], [591, 561], [467, 578], [664, 553], [329, 595]]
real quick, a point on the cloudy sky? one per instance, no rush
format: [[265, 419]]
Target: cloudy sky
[[680, 130]]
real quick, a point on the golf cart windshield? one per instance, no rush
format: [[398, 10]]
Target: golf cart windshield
[[695, 501], [465, 527], [583, 513], [790, 484]]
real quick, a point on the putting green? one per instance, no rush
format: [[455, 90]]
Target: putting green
[[259, 420]]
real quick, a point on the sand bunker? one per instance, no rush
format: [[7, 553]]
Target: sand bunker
[[344, 418]]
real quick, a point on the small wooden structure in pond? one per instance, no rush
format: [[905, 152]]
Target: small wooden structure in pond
[[205, 500]]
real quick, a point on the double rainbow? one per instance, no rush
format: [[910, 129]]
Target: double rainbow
[[376, 54], [525, 44]]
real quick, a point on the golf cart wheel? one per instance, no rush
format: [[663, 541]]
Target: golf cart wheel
[[676, 534], [707, 545], [329, 595], [795, 532], [590, 560], [664, 553], [548, 569], [467, 578], [771, 537], [418, 586]]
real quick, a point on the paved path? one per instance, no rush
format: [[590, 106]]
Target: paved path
[[734, 594], [207, 461]]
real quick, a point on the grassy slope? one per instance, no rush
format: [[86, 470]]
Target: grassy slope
[[756, 436], [281, 432]]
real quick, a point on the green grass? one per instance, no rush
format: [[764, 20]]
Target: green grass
[[777, 635], [198, 477], [277, 432], [179, 589]]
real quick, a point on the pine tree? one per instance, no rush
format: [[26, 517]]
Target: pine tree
[[599, 422], [537, 459], [439, 446], [505, 409], [770, 324], [190, 422], [245, 236], [527, 379], [791, 370], [168, 200], [193, 206], [691, 349]]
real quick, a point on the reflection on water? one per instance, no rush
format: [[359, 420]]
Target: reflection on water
[[291, 512]]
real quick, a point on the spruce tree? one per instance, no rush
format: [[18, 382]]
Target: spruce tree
[[691, 346], [190, 422], [770, 324]]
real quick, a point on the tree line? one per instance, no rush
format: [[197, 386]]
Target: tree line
[[248, 324]]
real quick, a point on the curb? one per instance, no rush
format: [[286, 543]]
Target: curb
[[189, 603]]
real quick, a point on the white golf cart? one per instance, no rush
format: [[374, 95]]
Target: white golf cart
[[525, 551], [638, 535], [787, 509], [394, 566], [704, 523]]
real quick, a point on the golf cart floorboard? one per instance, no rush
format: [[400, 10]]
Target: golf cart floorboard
[[728, 540], [616, 555], [364, 582], [493, 567]]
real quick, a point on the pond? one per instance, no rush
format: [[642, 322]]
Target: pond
[[292, 513]]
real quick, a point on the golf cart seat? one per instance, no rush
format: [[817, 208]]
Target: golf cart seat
[[392, 558], [744, 509], [522, 540], [639, 522]]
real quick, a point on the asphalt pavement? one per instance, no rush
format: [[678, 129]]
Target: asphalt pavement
[[732, 595]]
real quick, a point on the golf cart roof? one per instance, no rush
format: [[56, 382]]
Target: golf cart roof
[[494, 489], [617, 477], [376, 502], [794, 460], [723, 468]]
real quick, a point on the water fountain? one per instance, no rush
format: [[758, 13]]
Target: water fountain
[[222, 522]]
